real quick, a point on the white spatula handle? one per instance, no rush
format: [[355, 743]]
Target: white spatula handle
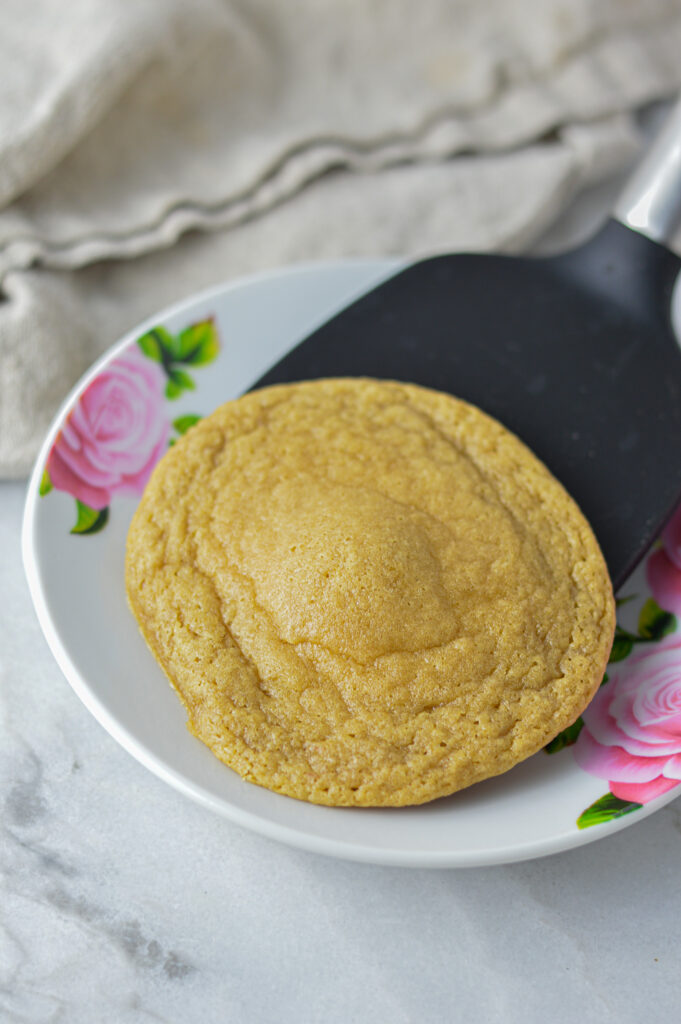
[[651, 200]]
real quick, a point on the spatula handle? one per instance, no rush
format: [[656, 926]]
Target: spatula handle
[[651, 200]]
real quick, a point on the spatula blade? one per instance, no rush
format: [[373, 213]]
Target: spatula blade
[[576, 354]]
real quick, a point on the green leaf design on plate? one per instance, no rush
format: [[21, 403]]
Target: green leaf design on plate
[[90, 520], [565, 738], [45, 484], [655, 623], [178, 381], [157, 344], [622, 646], [194, 346], [198, 344], [183, 423], [606, 808]]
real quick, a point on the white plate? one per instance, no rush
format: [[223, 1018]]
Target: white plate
[[76, 581]]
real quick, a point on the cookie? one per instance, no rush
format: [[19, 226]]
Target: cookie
[[367, 593]]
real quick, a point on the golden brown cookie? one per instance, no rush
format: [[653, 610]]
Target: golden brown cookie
[[367, 593]]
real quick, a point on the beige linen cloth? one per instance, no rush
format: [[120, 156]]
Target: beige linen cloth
[[285, 130]]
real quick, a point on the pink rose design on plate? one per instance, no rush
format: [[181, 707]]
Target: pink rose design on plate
[[118, 430], [115, 435], [663, 569], [632, 728]]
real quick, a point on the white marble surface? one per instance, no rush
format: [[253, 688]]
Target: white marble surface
[[123, 902]]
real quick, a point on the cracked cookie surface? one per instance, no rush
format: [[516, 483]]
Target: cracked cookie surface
[[367, 593]]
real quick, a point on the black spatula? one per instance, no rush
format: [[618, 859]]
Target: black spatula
[[575, 353]]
